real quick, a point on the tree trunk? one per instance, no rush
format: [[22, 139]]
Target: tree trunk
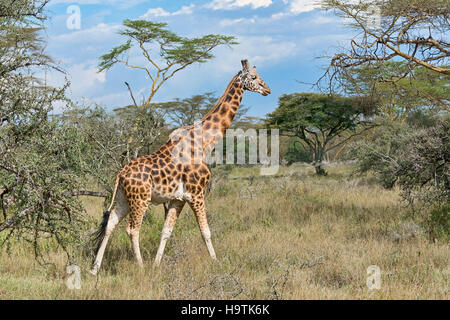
[[319, 169], [318, 166]]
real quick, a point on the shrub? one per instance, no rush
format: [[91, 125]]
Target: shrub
[[418, 161]]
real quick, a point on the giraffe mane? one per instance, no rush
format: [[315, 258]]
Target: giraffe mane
[[212, 110], [222, 98]]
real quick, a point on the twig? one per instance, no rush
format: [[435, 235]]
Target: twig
[[131, 93], [87, 193]]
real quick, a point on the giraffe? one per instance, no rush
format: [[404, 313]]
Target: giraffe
[[162, 178]]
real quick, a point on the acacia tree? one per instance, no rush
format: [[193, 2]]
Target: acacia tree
[[106, 135], [318, 119], [417, 160], [40, 164], [140, 129], [184, 112], [413, 31], [166, 52], [425, 90]]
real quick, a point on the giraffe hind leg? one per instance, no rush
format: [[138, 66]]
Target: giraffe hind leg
[[138, 206], [110, 221], [133, 228], [138, 195], [172, 212], [198, 206]]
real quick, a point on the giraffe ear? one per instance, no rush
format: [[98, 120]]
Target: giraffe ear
[[245, 65]]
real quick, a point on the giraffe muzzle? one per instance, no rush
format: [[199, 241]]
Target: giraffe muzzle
[[266, 91]]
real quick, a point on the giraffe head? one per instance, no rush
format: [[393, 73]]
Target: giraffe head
[[251, 80]]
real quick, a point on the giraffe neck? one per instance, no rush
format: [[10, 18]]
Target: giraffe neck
[[219, 118]]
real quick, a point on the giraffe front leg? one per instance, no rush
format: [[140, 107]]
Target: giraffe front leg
[[133, 228], [198, 206], [133, 232], [172, 212], [138, 200]]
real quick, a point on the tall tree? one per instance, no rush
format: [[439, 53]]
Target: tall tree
[[40, 165], [141, 128], [425, 90], [413, 31], [184, 112], [166, 52], [318, 119]]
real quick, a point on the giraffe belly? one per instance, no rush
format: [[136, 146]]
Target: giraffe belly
[[158, 198], [179, 194]]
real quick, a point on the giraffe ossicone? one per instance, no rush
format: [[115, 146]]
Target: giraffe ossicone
[[177, 173]]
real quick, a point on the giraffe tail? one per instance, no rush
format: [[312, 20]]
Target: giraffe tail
[[97, 236]]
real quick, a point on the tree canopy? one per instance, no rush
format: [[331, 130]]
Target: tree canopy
[[425, 90], [166, 52], [317, 119], [40, 164], [184, 112], [412, 31]]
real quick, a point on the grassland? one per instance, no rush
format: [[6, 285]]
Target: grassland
[[289, 236]]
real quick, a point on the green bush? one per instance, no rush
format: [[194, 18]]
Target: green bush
[[438, 223], [418, 161], [378, 151]]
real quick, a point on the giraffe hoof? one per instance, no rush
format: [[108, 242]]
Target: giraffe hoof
[[156, 264], [94, 269]]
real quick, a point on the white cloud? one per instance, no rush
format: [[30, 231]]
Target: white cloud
[[84, 79], [101, 31], [114, 100], [300, 6], [259, 50], [156, 12], [116, 3], [296, 7], [321, 19], [184, 10], [230, 22], [160, 12], [231, 4], [278, 15]]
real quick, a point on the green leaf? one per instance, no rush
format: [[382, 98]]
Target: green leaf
[[109, 59]]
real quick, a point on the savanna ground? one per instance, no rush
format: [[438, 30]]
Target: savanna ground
[[289, 236]]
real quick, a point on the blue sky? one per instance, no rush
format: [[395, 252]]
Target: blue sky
[[282, 38]]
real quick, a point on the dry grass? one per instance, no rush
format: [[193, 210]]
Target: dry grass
[[291, 236]]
